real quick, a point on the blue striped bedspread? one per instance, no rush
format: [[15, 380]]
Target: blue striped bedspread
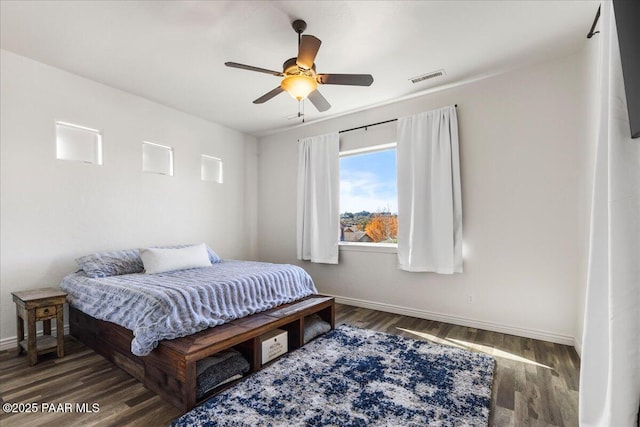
[[179, 303]]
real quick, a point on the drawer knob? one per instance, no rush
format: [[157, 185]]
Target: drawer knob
[[46, 311]]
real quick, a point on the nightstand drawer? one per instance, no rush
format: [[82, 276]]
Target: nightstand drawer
[[44, 312]]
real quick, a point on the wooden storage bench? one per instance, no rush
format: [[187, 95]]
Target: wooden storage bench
[[170, 369]]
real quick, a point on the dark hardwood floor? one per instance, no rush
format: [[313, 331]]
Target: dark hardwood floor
[[535, 382]]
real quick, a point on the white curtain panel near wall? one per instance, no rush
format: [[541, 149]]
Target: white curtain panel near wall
[[610, 368], [318, 220], [429, 194]]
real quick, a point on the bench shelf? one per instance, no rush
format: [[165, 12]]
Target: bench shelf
[[170, 369]]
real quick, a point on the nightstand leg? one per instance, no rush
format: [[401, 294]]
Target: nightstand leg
[[46, 327], [31, 337], [20, 334], [60, 329]]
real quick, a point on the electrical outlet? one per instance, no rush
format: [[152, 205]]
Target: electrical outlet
[[470, 299]]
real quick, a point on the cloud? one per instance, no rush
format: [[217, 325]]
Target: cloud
[[366, 191]]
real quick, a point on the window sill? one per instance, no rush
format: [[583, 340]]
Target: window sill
[[387, 248]]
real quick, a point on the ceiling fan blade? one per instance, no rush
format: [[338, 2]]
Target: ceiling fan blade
[[307, 51], [267, 96], [319, 101], [345, 79], [251, 68]]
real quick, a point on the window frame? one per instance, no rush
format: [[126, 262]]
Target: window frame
[[168, 149], [368, 246], [219, 179], [97, 143]]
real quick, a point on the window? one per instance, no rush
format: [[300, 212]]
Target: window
[[157, 158], [210, 169], [369, 195], [79, 143]]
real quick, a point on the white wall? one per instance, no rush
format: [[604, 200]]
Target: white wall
[[522, 138], [55, 210]]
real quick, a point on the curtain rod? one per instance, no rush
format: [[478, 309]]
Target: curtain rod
[[593, 26], [366, 126], [373, 124]]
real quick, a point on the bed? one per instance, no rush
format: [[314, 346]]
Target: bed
[[158, 326]]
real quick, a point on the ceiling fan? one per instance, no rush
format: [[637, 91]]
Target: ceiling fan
[[299, 75]]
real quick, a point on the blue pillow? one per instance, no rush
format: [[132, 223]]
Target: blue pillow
[[105, 264], [213, 257]]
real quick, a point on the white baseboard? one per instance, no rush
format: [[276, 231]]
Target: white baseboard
[[461, 321], [11, 342], [577, 344]]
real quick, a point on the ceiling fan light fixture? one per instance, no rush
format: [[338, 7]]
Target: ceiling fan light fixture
[[299, 76], [299, 86]]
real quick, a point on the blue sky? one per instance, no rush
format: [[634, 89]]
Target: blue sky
[[368, 182]]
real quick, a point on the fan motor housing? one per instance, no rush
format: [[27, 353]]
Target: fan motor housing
[[290, 67]]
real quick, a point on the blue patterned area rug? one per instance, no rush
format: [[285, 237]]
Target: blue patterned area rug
[[358, 377]]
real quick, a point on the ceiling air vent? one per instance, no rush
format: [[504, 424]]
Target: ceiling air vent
[[427, 76]]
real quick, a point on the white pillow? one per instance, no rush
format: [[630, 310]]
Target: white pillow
[[156, 260]]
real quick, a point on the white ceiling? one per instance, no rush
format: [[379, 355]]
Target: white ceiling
[[173, 52]]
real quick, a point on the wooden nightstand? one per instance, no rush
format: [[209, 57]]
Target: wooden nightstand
[[40, 305]]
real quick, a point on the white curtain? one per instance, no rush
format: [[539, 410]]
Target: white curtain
[[429, 197], [318, 222], [610, 367]]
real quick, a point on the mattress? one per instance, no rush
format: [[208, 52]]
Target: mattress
[[179, 303]]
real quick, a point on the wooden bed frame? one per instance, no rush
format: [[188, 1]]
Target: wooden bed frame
[[170, 369]]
